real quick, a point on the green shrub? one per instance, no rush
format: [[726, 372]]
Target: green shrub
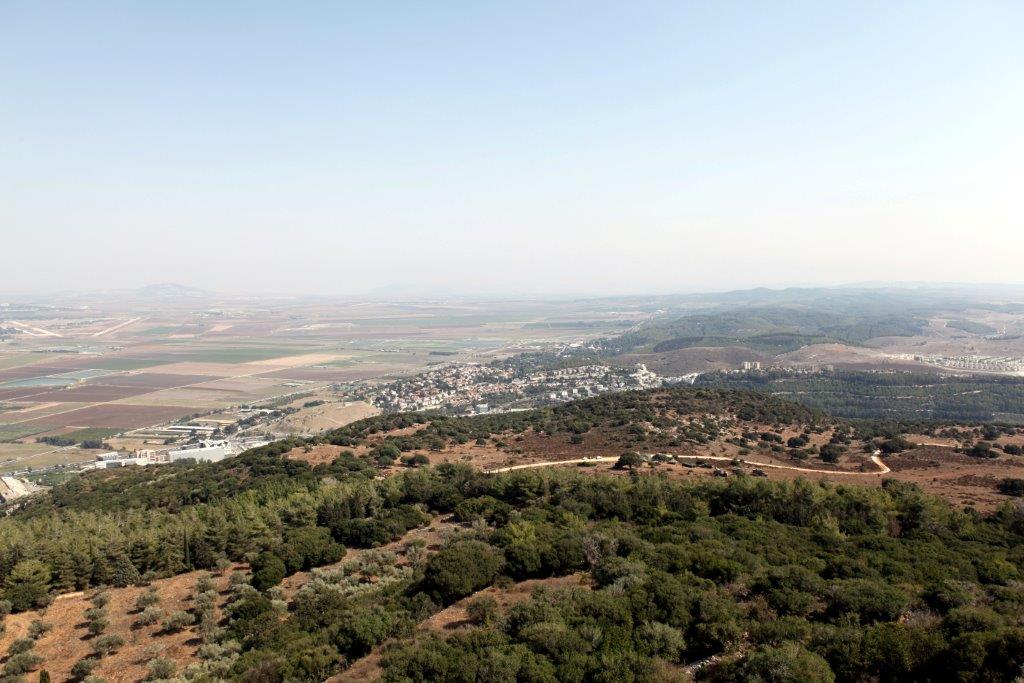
[[787, 662], [95, 613], [97, 626], [83, 667], [660, 640], [38, 628], [19, 664], [160, 668], [146, 599], [482, 610], [267, 570], [177, 621], [149, 616], [106, 644], [204, 584], [461, 569], [871, 601]]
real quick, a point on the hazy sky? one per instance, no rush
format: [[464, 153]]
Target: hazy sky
[[520, 146]]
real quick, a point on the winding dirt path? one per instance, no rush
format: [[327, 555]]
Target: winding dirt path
[[875, 458]]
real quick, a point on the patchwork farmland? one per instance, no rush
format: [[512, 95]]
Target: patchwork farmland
[[117, 371]]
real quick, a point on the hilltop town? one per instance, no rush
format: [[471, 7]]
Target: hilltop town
[[475, 388]]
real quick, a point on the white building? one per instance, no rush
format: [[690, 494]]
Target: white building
[[116, 459], [206, 451], [189, 429]]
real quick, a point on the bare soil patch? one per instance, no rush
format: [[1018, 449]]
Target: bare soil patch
[[300, 360], [349, 374], [116, 416], [321, 454], [21, 392], [207, 370], [28, 371], [90, 393], [68, 641], [158, 380], [24, 411]]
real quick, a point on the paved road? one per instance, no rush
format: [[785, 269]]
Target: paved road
[[33, 331], [116, 327]]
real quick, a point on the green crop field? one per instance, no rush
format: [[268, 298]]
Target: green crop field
[[37, 382], [166, 329], [91, 433], [18, 360], [49, 458], [10, 432]]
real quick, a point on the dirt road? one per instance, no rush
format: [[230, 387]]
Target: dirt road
[[875, 458]]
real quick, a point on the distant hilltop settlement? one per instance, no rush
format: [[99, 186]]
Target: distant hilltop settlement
[[479, 389], [999, 364]]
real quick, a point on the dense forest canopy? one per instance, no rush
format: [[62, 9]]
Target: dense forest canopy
[[769, 329], [817, 581], [771, 580], [887, 395]]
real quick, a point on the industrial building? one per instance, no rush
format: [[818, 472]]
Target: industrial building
[[205, 451]]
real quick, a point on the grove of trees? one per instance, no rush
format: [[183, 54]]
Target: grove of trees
[[790, 581]]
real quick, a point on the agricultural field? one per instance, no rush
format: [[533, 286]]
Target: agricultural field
[[119, 365], [40, 456]]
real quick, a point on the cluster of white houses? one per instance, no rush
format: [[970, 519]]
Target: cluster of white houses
[[982, 363], [484, 388]]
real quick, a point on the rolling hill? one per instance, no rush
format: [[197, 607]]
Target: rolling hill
[[657, 551]]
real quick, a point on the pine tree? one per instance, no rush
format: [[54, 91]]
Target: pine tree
[[102, 570], [125, 573], [28, 585]]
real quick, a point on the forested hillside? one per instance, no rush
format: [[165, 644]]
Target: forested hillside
[[768, 329], [887, 395], [732, 579], [624, 412]]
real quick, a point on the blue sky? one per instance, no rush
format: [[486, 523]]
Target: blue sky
[[573, 147]]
